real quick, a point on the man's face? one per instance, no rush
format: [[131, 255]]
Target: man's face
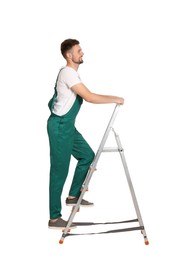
[[77, 54]]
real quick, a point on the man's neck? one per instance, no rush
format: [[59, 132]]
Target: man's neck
[[73, 65]]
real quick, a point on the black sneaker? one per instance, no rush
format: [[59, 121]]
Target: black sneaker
[[73, 202], [60, 224]]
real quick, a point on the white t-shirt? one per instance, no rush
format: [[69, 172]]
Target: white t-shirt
[[65, 99]]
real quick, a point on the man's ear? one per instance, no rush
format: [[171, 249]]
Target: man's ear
[[69, 55]]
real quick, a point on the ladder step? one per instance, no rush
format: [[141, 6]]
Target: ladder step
[[107, 232], [104, 223], [112, 149]]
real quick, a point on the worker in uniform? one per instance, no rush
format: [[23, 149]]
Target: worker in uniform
[[64, 139]]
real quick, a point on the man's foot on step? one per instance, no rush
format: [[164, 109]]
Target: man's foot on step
[[59, 224], [73, 202]]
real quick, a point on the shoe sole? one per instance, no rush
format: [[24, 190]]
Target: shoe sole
[[87, 206], [61, 228]]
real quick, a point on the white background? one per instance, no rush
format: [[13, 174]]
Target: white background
[[136, 49]]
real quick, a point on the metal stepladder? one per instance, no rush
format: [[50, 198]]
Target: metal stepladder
[[75, 208]]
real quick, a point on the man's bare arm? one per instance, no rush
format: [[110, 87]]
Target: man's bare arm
[[81, 90]]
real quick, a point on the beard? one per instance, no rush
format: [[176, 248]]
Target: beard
[[80, 61]]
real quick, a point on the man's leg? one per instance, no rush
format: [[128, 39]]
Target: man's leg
[[61, 141], [85, 155]]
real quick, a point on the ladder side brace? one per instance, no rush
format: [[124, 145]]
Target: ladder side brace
[[121, 152]]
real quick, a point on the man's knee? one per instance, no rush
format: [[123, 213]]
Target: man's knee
[[92, 156]]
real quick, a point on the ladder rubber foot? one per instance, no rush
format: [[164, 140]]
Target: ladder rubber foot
[[61, 241], [146, 242]]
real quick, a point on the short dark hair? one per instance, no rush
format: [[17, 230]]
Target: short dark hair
[[67, 45]]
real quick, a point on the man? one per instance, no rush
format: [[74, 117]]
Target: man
[[64, 139]]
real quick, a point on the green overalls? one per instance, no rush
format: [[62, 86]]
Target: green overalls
[[64, 141]]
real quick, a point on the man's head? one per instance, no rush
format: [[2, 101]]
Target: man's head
[[71, 51]]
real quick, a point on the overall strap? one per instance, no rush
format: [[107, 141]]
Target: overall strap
[[51, 102]]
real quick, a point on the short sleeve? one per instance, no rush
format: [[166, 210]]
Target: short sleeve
[[70, 77]]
